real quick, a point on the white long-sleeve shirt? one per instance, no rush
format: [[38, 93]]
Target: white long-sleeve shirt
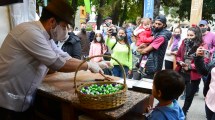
[[168, 55], [25, 56]]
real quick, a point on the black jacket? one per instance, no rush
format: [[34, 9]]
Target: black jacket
[[155, 58], [204, 69], [72, 46]]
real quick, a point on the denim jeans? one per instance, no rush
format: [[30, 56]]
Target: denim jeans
[[117, 71], [191, 88], [209, 114]]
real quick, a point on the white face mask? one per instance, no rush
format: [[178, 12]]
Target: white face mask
[[98, 39], [58, 33]]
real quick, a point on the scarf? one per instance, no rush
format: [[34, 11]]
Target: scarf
[[175, 43]]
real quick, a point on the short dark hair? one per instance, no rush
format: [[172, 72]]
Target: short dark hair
[[47, 15], [170, 83]]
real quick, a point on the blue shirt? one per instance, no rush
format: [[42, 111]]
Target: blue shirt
[[173, 112]]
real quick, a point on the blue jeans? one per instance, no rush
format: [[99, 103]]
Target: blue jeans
[[209, 114], [117, 71]]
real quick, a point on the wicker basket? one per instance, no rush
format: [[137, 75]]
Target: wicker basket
[[105, 101]]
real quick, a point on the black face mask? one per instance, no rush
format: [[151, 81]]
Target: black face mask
[[203, 30], [189, 42], [121, 37], [83, 30]]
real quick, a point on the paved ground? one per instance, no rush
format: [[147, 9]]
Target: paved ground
[[197, 109]]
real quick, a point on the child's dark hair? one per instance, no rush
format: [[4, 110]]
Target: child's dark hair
[[170, 83]]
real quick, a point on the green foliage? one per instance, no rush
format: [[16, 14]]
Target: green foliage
[[134, 10], [208, 9], [175, 8], [185, 8], [89, 27], [70, 2]]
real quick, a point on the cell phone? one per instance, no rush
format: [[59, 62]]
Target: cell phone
[[206, 53]]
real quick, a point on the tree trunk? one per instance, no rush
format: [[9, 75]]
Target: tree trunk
[[74, 6], [157, 4], [115, 12], [99, 18], [142, 15], [124, 13]]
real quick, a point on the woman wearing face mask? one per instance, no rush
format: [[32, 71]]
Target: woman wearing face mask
[[186, 66], [97, 47], [172, 48], [121, 51]]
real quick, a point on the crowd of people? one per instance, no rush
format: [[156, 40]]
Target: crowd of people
[[33, 48], [143, 48]]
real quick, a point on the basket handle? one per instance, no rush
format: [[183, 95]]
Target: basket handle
[[87, 59]]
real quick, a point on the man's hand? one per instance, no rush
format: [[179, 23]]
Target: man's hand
[[142, 49], [104, 64], [94, 67]]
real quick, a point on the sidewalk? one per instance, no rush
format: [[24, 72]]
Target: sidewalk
[[197, 109]]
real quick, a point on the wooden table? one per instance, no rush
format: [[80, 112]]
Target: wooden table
[[56, 99]]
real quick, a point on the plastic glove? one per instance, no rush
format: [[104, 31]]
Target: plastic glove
[[104, 64], [94, 67]]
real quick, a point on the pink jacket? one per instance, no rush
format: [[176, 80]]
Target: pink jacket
[[95, 49]]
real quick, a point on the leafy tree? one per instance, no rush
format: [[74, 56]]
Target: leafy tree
[[185, 8]]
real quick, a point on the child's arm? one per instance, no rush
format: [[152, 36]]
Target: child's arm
[[138, 30], [145, 39]]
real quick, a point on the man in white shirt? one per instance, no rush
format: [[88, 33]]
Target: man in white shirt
[[28, 52]]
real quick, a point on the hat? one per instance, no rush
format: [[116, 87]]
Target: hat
[[61, 9], [203, 22], [161, 18]]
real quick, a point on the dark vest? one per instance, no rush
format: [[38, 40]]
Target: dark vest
[[155, 58]]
